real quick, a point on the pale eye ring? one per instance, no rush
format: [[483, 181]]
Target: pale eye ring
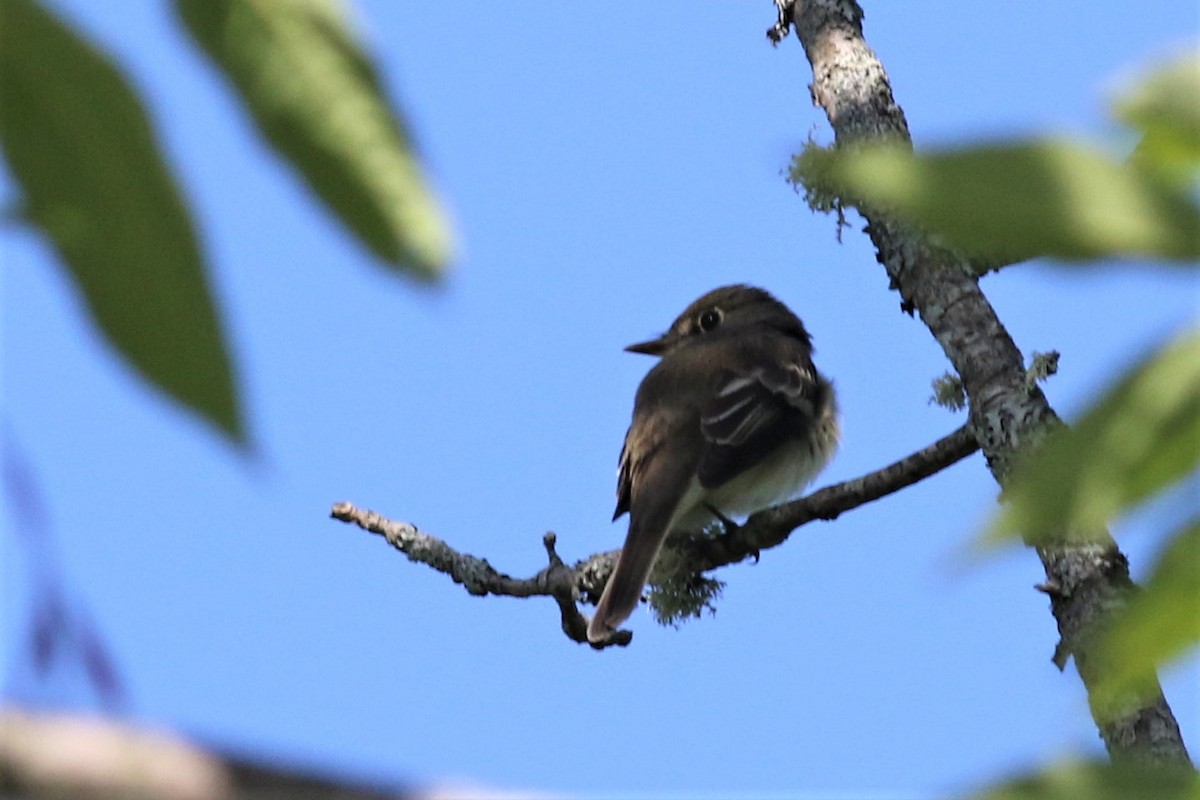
[[710, 319]]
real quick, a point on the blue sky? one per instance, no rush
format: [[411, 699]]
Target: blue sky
[[604, 165]]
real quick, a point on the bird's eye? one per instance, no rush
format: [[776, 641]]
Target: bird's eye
[[710, 319]]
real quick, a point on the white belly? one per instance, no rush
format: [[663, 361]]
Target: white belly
[[780, 477]]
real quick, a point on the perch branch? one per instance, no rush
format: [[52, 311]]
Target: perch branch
[[584, 581], [772, 526]]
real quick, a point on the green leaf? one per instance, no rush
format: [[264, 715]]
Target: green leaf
[[1140, 438], [1026, 199], [80, 147], [318, 101], [1165, 108], [1162, 621], [1098, 781]]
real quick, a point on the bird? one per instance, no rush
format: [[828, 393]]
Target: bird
[[732, 419]]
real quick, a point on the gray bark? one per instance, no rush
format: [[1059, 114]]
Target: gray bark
[[1087, 583]]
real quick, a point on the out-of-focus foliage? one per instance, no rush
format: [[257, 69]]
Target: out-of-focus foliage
[[1057, 198], [1162, 621], [318, 100], [1139, 439], [1007, 202], [94, 182], [1098, 781], [1165, 109]]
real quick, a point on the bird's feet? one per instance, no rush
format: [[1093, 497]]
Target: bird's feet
[[729, 525]]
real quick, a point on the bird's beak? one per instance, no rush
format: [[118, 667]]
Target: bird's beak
[[654, 347]]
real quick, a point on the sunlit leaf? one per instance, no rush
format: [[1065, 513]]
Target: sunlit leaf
[[92, 179], [1162, 621], [1165, 108], [1098, 781], [1140, 438], [1027, 199], [317, 99]]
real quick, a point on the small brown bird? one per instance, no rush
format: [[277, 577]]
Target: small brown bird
[[732, 419]]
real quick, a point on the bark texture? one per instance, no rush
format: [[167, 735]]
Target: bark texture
[[1087, 582], [689, 556]]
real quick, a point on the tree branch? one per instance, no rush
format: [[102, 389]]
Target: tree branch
[[772, 526], [1088, 583], [692, 554]]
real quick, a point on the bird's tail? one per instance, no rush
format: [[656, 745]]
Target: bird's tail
[[624, 588]]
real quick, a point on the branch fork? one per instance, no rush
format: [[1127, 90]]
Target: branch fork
[[692, 554]]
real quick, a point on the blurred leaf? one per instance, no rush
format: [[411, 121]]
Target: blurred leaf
[[1026, 199], [78, 143], [1165, 108], [1141, 437], [1162, 621], [318, 101], [1098, 781]]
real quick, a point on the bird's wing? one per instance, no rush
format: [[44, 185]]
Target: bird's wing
[[751, 412], [659, 417], [625, 472]]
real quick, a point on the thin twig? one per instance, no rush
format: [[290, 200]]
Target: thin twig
[[771, 527], [584, 581]]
